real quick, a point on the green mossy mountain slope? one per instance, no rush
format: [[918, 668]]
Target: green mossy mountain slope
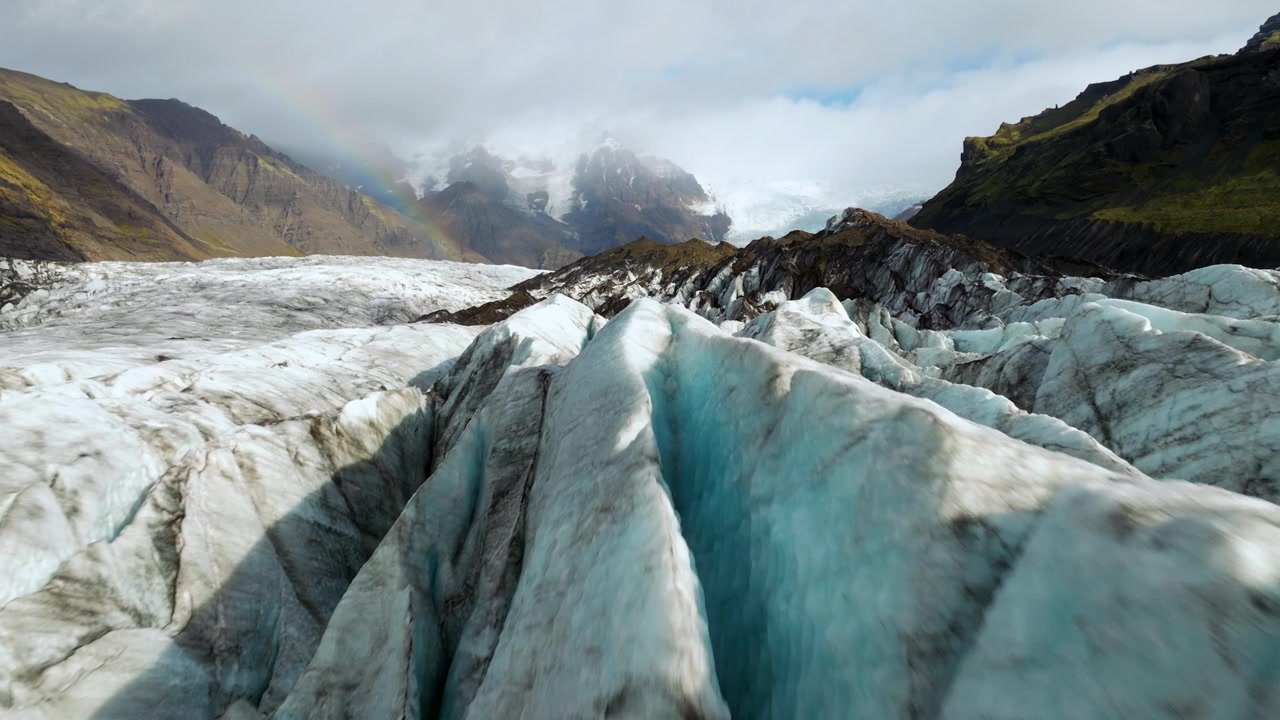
[[1163, 170], [220, 192], [54, 205]]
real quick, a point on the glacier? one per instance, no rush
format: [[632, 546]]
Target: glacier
[[258, 489]]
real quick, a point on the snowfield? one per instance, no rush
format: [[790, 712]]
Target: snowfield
[[257, 489], [104, 317]]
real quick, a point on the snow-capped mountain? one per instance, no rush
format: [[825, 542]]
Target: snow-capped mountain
[[618, 197], [600, 200], [720, 209], [869, 472]]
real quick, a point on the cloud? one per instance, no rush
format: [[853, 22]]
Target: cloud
[[898, 130], [731, 88]]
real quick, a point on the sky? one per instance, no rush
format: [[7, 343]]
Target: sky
[[852, 93]]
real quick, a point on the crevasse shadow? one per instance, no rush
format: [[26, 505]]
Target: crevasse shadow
[[256, 632], [426, 612], [798, 543], [455, 548]]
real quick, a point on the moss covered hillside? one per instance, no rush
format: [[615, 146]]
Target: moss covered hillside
[[1165, 169], [88, 176]]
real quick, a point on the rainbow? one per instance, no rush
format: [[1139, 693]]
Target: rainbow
[[389, 190]]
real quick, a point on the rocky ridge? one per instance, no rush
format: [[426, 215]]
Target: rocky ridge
[[859, 254], [1267, 37]]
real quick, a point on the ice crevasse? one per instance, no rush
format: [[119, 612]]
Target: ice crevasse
[[716, 527], [652, 517]]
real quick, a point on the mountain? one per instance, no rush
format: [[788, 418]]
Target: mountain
[[618, 197], [212, 190], [371, 168], [1166, 169], [56, 205], [869, 472], [674, 204], [1267, 37], [486, 172], [486, 225], [535, 212]]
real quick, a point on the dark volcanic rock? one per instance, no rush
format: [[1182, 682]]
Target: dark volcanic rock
[[1267, 38], [486, 314], [537, 200], [921, 276]]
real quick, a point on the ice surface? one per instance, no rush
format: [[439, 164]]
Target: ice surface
[[684, 558], [229, 569], [306, 508], [1140, 602], [107, 317], [1258, 338], [1175, 403], [86, 450], [431, 601], [1232, 291], [184, 494], [817, 327]]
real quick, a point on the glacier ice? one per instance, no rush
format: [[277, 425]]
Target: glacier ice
[[1139, 601], [992, 499], [103, 456], [746, 563], [817, 327], [1176, 402], [108, 317]]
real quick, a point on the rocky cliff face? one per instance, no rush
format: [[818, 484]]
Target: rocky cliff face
[[55, 205], [496, 230], [1164, 170], [1267, 37], [227, 192]]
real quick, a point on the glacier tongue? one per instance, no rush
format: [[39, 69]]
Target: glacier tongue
[[939, 506], [98, 318]]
